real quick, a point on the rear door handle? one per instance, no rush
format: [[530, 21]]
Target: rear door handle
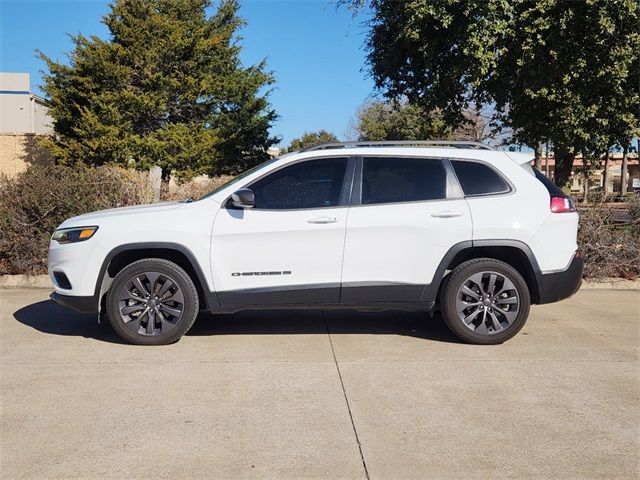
[[447, 214], [323, 220]]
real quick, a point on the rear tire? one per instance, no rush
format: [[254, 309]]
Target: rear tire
[[152, 302], [485, 301]]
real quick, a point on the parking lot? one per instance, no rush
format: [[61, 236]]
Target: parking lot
[[293, 394]]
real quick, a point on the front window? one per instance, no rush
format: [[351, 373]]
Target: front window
[[240, 177], [309, 184]]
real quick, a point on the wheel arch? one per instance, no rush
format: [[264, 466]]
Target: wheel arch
[[123, 255], [513, 252]]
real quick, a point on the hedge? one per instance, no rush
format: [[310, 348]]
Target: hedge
[[36, 201]]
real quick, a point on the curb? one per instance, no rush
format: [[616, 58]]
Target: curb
[[42, 281], [25, 281], [610, 284]]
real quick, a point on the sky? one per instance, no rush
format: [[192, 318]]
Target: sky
[[314, 50]]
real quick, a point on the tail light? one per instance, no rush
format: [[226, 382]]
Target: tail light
[[562, 205]]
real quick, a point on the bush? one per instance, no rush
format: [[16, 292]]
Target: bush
[[195, 188], [633, 203], [609, 240], [35, 202]]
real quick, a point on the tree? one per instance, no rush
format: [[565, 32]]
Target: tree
[[475, 127], [624, 116], [549, 68], [563, 76], [397, 120], [167, 88], [309, 139]]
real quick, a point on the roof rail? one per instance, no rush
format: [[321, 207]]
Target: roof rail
[[401, 143]]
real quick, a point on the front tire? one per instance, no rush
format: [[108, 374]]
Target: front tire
[[152, 302], [485, 301]]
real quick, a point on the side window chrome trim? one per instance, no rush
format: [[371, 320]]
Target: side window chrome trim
[[409, 202]]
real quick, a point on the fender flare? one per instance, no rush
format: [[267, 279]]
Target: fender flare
[[210, 298], [431, 290]]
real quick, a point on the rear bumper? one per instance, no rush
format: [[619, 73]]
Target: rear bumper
[[557, 286], [79, 304]]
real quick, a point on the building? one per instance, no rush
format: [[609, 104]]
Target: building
[[22, 111], [596, 174], [24, 119], [273, 152]]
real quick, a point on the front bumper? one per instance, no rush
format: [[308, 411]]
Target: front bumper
[[79, 262], [79, 304], [557, 286]]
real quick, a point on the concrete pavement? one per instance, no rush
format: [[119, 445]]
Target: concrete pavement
[[322, 395]]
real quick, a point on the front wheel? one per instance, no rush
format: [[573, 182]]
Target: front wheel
[[485, 301], [152, 302]]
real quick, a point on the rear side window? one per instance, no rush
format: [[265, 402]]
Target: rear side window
[[389, 180], [478, 179]]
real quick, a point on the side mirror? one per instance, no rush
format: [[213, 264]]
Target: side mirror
[[243, 198]]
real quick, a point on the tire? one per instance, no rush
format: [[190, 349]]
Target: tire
[[152, 302], [485, 301]]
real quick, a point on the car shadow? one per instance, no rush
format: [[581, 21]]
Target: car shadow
[[48, 317], [339, 322]]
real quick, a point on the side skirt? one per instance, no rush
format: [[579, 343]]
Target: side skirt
[[368, 307], [325, 296]]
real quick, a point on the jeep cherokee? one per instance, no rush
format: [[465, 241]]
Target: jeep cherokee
[[478, 233]]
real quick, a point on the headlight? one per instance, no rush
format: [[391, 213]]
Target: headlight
[[74, 234]]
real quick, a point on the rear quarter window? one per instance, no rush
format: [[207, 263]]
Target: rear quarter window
[[478, 179]]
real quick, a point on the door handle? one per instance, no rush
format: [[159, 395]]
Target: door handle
[[447, 214], [323, 220]]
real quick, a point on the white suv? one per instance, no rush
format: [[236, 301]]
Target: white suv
[[475, 232]]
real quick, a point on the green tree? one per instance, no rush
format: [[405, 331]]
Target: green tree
[[564, 77], [167, 88], [396, 120], [309, 139], [549, 68]]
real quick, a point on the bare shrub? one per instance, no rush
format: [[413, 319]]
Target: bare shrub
[[195, 188], [610, 242], [35, 202], [634, 209]]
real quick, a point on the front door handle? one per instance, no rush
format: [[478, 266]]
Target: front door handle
[[323, 220], [447, 214]]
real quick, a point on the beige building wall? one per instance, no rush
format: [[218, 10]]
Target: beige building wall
[[24, 119], [42, 122], [20, 110], [18, 151]]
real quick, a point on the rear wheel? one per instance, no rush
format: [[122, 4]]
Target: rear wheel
[[485, 301], [152, 302]]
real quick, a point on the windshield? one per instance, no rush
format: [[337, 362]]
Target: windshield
[[240, 177]]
